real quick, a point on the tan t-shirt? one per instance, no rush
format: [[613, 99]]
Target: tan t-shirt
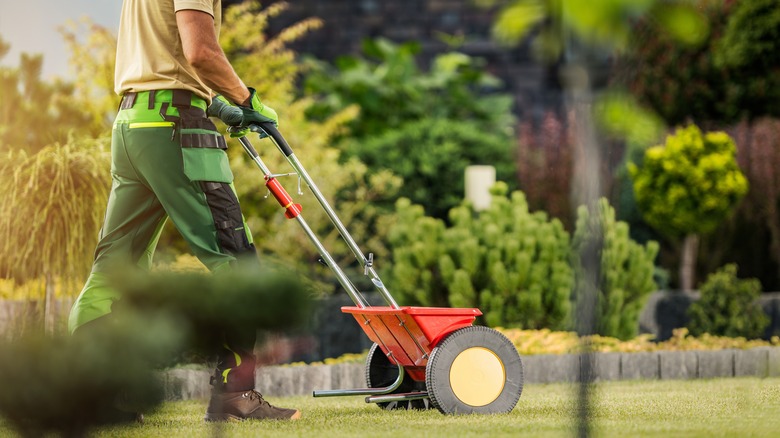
[[149, 54]]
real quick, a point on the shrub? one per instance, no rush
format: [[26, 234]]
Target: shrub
[[728, 306], [687, 187], [58, 197], [424, 125], [625, 269], [431, 155], [531, 342], [750, 50], [677, 80], [391, 89], [510, 263], [691, 183]]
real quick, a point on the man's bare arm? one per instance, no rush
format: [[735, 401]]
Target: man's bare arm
[[202, 50]]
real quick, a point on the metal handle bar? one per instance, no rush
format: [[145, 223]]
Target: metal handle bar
[[286, 150]]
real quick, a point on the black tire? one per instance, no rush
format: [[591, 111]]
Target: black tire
[[381, 373], [474, 370]]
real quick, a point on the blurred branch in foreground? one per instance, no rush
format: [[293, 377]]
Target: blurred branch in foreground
[[69, 385]]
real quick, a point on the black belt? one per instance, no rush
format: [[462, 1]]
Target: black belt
[[180, 99], [190, 117]]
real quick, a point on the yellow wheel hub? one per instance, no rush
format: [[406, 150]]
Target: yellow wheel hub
[[477, 376]]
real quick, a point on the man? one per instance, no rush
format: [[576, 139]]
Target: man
[[168, 160]]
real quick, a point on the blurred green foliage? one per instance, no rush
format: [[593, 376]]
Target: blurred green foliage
[[264, 61], [749, 49], [37, 113], [731, 74], [678, 80], [92, 58], [390, 89], [423, 126], [581, 39], [752, 35], [556, 24], [623, 117], [625, 269], [728, 306], [729, 81], [209, 304], [431, 156], [68, 385], [690, 184]]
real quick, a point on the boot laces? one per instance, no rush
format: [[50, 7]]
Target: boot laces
[[255, 395]]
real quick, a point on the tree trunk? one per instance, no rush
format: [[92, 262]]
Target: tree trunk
[[48, 317], [688, 263]]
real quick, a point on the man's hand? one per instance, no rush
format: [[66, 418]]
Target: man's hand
[[255, 112], [222, 109]]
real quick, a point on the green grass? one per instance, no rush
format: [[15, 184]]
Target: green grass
[[695, 408]]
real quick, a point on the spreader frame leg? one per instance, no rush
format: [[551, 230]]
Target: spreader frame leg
[[419, 395], [363, 391]]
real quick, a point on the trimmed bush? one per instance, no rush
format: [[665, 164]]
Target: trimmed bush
[[728, 306], [689, 184], [687, 187], [507, 261]]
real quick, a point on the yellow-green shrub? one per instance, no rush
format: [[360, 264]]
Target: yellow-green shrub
[[532, 342]]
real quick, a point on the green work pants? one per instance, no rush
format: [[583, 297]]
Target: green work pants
[[168, 161]]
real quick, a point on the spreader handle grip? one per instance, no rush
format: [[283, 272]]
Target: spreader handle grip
[[274, 133]]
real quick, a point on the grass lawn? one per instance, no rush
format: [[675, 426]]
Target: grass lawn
[[706, 408]]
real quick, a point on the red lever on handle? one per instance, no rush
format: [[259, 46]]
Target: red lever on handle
[[291, 209]]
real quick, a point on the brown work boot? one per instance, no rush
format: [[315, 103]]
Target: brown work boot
[[225, 406]]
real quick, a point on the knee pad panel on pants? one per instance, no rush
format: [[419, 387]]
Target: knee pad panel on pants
[[227, 218]]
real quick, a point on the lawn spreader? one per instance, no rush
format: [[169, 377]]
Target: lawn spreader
[[422, 357]]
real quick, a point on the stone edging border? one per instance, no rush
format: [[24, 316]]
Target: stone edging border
[[282, 381]]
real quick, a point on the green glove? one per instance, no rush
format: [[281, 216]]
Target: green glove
[[222, 109], [257, 113]]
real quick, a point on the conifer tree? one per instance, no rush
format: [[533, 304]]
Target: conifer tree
[[625, 269], [507, 261], [687, 187]]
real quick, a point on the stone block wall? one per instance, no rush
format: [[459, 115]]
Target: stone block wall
[[666, 310], [282, 381]]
